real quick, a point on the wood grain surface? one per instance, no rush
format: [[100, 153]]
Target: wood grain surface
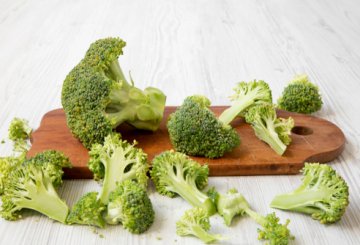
[[187, 47], [313, 139]]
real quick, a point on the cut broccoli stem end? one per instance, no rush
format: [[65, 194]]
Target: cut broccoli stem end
[[229, 114], [270, 136], [298, 200], [199, 232]]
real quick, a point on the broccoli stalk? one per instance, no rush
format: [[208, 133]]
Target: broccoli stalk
[[176, 174], [196, 222], [323, 194], [97, 98], [233, 203], [246, 95], [116, 161], [29, 187], [274, 131], [130, 205]]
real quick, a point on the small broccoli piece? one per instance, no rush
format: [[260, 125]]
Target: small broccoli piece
[[274, 131], [130, 205], [19, 133], [116, 161], [196, 222], [195, 130], [29, 187], [174, 173], [300, 96], [52, 163], [233, 203], [97, 98], [323, 194], [87, 211], [246, 95]]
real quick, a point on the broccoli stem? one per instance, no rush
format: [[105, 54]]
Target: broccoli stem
[[116, 73], [45, 200], [270, 136], [229, 114], [297, 200], [204, 235], [255, 216]]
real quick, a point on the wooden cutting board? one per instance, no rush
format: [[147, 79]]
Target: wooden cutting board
[[313, 139]]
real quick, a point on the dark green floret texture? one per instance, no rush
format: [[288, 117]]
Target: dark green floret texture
[[97, 98], [300, 96], [195, 130]]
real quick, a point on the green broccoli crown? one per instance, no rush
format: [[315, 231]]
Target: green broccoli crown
[[267, 127], [97, 98], [274, 232], [29, 187], [116, 161], [195, 130], [300, 96], [52, 162], [87, 211], [130, 205], [230, 204], [246, 95], [196, 222], [323, 194], [174, 173], [7, 165], [19, 133]]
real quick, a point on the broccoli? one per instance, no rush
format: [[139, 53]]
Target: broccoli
[[323, 194], [29, 187], [19, 133], [246, 95], [7, 165], [174, 173], [233, 203], [300, 96], [116, 161], [87, 211], [97, 98], [196, 222], [130, 205], [52, 163], [195, 130], [274, 131]]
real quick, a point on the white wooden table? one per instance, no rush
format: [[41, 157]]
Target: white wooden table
[[186, 47]]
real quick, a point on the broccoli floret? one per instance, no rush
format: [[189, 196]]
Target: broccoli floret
[[246, 95], [87, 211], [7, 165], [196, 222], [116, 161], [274, 131], [29, 187], [97, 98], [233, 203], [323, 194], [300, 96], [130, 205], [19, 133], [174, 173], [195, 130], [52, 162]]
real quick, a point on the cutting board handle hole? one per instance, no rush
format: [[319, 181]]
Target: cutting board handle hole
[[300, 130]]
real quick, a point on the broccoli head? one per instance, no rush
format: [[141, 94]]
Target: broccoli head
[[246, 95], [87, 211], [115, 161], [196, 222], [195, 130], [233, 203], [7, 165], [274, 131], [19, 133], [29, 187], [130, 205], [97, 98], [323, 194], [174, 173], [300, 96]]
